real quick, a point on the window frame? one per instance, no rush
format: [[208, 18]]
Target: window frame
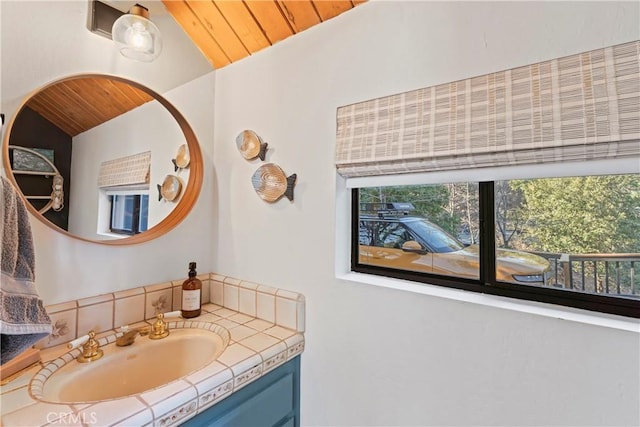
[[487, 283], [104, 220]]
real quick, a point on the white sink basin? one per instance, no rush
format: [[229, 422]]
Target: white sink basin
[[124, 371]]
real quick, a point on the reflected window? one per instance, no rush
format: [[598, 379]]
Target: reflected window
[[129, 213]]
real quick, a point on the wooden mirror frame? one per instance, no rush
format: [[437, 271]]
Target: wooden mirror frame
[[186, 202]]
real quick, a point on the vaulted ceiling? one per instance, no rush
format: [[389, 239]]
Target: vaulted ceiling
[[227, 31], [224, 30]]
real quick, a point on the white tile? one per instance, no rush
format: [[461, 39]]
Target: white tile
[[157, 287], [15, 399], [64, 327], [64, 306], [216, 292], [260, 342], [213, 369], [209, 317], [95, 300], [177, 415], [129, 293], [231, 297], [234, 354], [206, 292], [226, 323], [240, 318], [20, 381], [295, 344], [97, 317], [286, 313], [143, 418], [288, 294], [249, 285], [259, 324], [267, 289], [280, 332], [210, 307], [231, 281], [212, 394], [246, 365], [113, 412], [300, 315], [33, 415], [247, 301], [217, 277], [165, 398], [266, 307], [177, 298], [158, 302], [224, 312], [128, 310], [241, 332]]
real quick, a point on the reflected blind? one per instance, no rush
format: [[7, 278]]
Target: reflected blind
[[579, 107], [127, 170]]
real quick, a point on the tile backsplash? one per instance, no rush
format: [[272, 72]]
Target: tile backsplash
[[274, 307]]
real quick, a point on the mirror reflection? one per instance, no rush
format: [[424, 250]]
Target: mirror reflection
[[89, 154]]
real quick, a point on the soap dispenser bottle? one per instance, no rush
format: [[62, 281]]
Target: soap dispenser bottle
[[191, 294]]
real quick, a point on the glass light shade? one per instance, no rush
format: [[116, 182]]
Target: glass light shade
[[136, 36]]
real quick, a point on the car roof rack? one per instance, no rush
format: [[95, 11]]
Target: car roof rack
[[383, 210]]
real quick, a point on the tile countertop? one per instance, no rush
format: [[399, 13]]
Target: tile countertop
[[256, 347]]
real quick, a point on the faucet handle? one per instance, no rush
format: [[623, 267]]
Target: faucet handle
[[90, 349], [159, 328], [176, 313]]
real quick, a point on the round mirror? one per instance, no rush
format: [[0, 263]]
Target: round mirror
[[103, 159]]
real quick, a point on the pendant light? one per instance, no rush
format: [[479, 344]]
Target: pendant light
[[136, 36]]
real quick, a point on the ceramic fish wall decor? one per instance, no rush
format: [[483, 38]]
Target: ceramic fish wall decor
[[271, 183]]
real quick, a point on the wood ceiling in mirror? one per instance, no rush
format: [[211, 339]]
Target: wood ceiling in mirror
[[78, 105], [227, 31]]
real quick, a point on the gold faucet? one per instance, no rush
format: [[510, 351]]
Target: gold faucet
[[159, 328], [90, 350], [130, 336]]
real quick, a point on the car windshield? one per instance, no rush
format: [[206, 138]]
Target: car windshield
[[435, 237]]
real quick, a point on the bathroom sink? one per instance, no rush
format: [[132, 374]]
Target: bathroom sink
[[125, 371]]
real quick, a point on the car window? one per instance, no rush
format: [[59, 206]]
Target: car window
[[436, 238], [366, 233], [391, 235]]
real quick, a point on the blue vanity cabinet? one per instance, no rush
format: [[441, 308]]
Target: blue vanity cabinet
[[270, 401]]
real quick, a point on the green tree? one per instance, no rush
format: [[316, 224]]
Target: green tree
[[430, 201], [594, 214]]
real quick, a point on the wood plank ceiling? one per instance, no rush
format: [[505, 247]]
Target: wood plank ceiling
[[79, 104], [227, 31]]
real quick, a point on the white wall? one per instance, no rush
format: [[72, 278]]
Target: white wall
[[61, 45], [376, 356], [45, 40], [149, 127]]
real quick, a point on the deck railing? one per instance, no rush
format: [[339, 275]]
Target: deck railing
[[613, 274]]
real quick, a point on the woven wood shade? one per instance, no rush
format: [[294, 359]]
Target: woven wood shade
[[129, 170], [575, 108]]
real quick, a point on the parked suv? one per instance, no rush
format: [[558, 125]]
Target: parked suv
[[393, 237]]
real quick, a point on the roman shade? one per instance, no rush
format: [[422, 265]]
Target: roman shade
[[129, 170], [579, 107]]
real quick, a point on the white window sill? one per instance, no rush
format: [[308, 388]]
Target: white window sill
[[531, 307], [112, 235]]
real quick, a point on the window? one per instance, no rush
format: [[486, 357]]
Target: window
[[129, 213], [564, 233], [569, 240]]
